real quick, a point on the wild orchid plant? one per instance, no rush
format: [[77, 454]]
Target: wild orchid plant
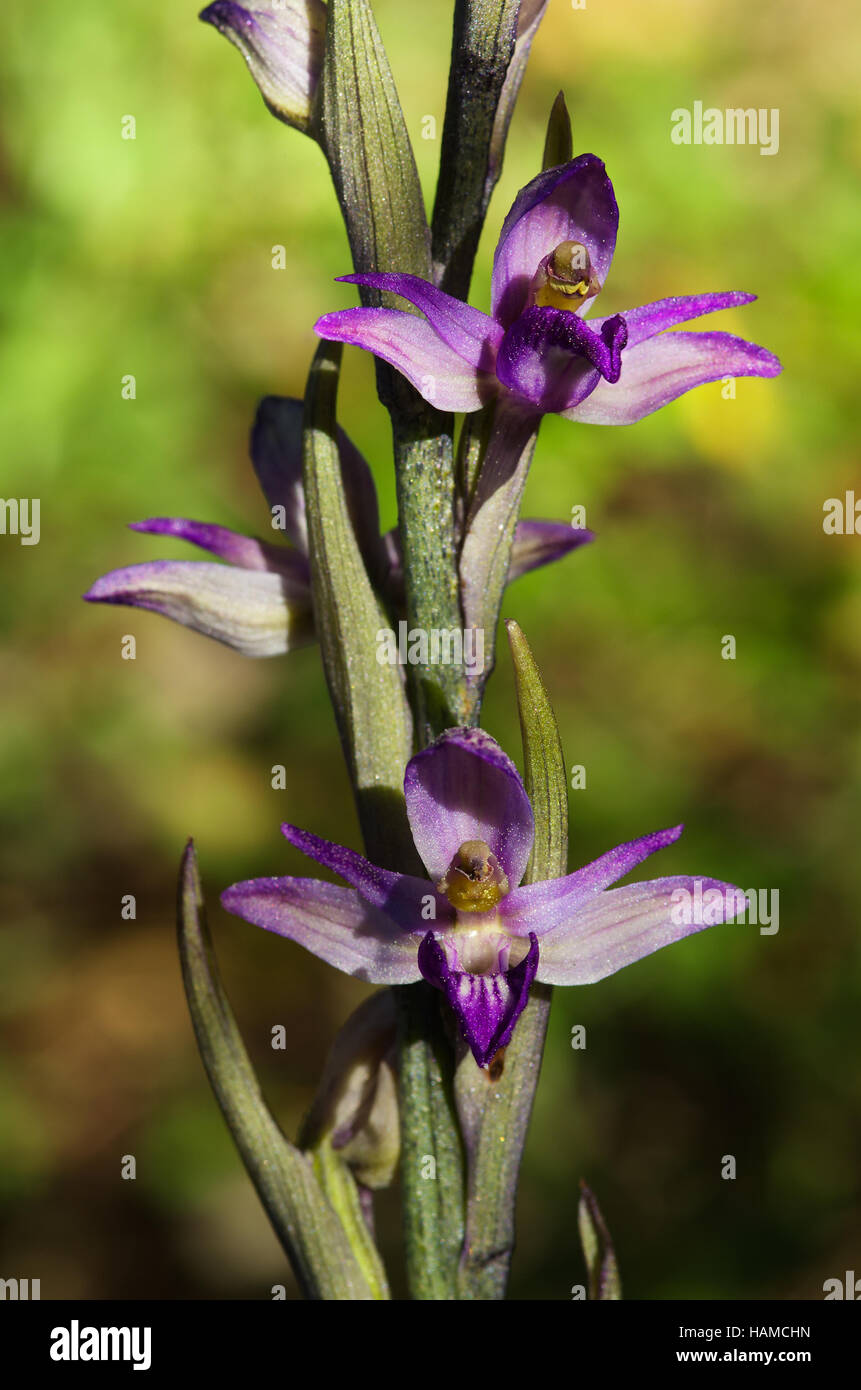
[[464, 909]]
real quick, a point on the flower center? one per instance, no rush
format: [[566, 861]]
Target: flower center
[[565, 278], [474, 880]]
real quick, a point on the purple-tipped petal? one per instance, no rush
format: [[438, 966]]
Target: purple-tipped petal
[[626, 924], [474, 336], [648, 319], [553, 359], [248, 610], [333, 923], [539, 543], [283, 47], [486, 1006], [574, 202], [544, 906], [408, 901], [276, 452], [245, 551], [463, 787], [660, 369], [411, 345]]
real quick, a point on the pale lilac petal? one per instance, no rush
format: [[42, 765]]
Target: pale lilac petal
[[553, 359], [248, 610], [245, 551], [539, 543], [463, 787], [412, 346], [542, 907], [574, 202], [622, 926], [486, 1006], [660, 369], [283, 47], [411, 902], [648, 319], [333, 923], [474, 336]]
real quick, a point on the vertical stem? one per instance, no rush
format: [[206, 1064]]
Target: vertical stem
[[431, 1153], [483, 42]]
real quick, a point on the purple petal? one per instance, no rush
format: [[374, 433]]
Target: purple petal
[[539, 543], [487, 1006], [553, 359], [333, 923], [626, 924], [402, 897], [660, 369], [248, 610], [245, 551], [412, 346], [544, 906], [649, 319], [574, 202], [283, 47], [474, 336], [276, 452], [463, 787]]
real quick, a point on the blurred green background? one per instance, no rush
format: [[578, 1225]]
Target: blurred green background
[[153, 257]]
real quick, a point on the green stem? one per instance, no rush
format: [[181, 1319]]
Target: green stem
[[432, 1177]]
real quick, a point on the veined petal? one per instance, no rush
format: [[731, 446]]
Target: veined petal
[[474, 336], [573, 202], [626, 924], [539, 543], [412, 346], [648, 319], [245, 551], [464, 787], [333, 923], [486, 1006], [283, 47], [553, 359], [276, 452], [247, 610], [409, 901], [660, 369], [542, 907]]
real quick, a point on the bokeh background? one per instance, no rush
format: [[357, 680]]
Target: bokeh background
[[153, 257]]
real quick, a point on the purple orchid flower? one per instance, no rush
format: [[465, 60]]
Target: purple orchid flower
[[259, 601], [536, 350], [469, 929]]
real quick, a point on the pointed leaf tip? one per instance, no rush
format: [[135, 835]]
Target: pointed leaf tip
[[604, 1281], [558, 143], [544, 763]]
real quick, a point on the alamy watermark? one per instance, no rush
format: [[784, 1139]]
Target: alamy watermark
[[19, 516], [735, 126], [710, 906], [435, 646]]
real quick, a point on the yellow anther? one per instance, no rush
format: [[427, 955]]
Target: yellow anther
[[474, 880], [565, 278]]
